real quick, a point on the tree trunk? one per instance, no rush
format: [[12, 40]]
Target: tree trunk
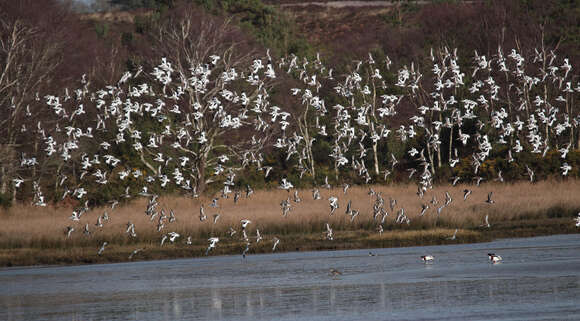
[[4, 185], [430, 155], [376, 158], [450, 143], [200, 184]]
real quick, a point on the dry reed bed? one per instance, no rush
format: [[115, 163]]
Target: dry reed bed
[[32, 227]]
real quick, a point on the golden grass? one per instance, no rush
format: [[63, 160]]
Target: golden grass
[[26, 227]]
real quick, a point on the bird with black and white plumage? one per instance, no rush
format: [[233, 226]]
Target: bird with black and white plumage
[[173, 236], [249, 191], [328, 232], [448, 198], [531, 173], [212, 244], [486, 222], [202, 216], [424, 208], [131, 229], [267, 170], [297, 198], [244, 223], [454, 236], [246, 250], [76, 216], [316, 194], [326, 185], [285, 185], [334, 272], [565, 169], [286, 206], [333, 204], [99, 222], [427, 258], [276, 241], [69, 230], [466, 193], [493, 258], [258, 236], [348, 210], [577, 219], [499, 177], [392, 203], [135, 253], [489, 200], [455, 180], [102, 249], [345, 188], [353, 215]]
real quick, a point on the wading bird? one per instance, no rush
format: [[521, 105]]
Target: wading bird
[[494, 258]]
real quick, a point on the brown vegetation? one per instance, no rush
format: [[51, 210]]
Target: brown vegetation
[[32, 235]]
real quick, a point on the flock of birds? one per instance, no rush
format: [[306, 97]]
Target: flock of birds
[[173, 122], [427, 259]]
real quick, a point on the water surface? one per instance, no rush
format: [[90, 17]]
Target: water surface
[[539, 279]]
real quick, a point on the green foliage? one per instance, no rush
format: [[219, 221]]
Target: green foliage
[[127, 39], [102, 29], [272, 28], [149, 4]]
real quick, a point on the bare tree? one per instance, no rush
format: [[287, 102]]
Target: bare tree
[[194, 41], [27, 61]]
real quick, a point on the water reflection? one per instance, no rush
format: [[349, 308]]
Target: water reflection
[[460, 285]]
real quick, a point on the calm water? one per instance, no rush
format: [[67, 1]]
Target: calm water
[[539, 279]]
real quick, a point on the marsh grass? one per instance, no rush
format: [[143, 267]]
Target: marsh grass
[[37, 235]]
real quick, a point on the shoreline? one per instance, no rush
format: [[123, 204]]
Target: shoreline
[[32, 235], [344, 240]]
